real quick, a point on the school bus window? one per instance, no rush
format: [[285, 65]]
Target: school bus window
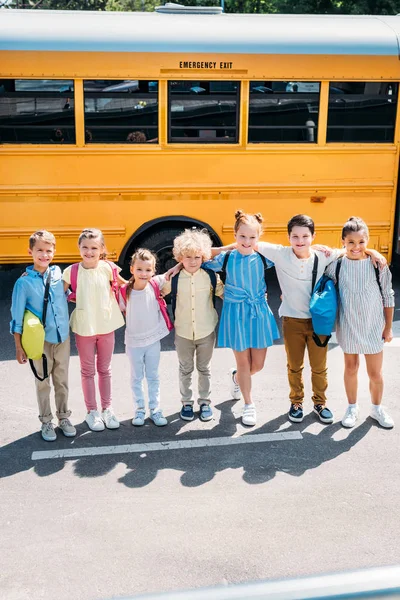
[[283, 111], [203, 112], [119, 112], [37, 111], [362, 112]]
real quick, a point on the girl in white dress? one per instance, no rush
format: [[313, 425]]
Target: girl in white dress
[[365, 315]]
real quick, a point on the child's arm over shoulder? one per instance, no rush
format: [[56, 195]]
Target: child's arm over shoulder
[[216, 263], [270, 251], [164, 284]]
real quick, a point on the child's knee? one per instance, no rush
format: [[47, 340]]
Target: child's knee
[[376, 377]]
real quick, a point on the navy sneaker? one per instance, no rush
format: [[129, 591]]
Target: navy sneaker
[[296, 413], [206, 413], [323, 412], [187, 413]]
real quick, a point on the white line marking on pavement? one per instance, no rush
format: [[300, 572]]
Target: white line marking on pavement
[[280, 436]]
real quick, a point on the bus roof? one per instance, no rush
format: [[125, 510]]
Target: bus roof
[[83, 31]]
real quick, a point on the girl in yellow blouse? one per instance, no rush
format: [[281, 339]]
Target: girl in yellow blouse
[[94, 321]]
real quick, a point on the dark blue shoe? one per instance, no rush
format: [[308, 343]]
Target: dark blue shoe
[[187, 413], [206, 413], [296, 413], [324, 414]]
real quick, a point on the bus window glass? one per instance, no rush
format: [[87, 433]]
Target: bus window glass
[[37, 111], [283, 111], [203, 112], [362, 112], [121, 111]]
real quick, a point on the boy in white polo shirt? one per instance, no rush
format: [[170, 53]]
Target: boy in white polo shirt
[[294, 268]]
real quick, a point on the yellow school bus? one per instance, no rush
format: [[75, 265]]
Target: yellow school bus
[[143, 124]]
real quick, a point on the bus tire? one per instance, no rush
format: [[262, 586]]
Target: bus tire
[[161, 243]]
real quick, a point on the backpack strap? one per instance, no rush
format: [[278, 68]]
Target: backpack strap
[[378, 279], [314, 272], [73, 282], [44, 357], [265, 264], [174, 292], [338, 266], [213, 280], [162, 304], [222, 273], [114, 282]]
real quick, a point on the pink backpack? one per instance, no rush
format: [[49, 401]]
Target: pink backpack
[[161, 302], [74, 281]]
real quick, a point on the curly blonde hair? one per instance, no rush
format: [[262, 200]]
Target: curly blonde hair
[[242, 218], [192, 241]]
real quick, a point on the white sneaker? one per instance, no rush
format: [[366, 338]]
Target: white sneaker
[[110, 420], [138, 419], [379, 414], [94, 421], [234, 386], [249, 416], [48, 433], [350, 416], [158, 418]]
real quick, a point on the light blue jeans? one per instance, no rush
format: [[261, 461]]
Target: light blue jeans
[[144, 363]]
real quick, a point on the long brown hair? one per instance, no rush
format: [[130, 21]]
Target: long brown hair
[[140, 254]]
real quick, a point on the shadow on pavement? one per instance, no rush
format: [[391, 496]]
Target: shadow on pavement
[[259, 461]]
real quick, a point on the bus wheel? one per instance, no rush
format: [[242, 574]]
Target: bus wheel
[[161, 243]]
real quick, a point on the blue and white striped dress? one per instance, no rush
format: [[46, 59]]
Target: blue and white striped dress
[[247, 320], [361, 319]]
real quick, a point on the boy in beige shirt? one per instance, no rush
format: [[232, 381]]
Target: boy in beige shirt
[[193, 293]]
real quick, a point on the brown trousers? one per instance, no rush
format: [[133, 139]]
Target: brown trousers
[[57, 365], [297, 335]]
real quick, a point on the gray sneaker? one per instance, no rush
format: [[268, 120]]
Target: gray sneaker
[[67, 428], [48, 433]]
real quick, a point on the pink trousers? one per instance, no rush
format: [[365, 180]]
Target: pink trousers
[[88, 347]]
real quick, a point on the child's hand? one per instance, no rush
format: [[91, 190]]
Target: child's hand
[[377, 259], [21, 356], [387, 335], [321, 248], [172, 272]]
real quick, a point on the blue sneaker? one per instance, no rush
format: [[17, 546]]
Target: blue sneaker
[[206, 413], [323, 412], [296, 413], [187, 413]]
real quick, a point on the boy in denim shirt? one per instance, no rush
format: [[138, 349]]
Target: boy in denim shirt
[[28, 294]]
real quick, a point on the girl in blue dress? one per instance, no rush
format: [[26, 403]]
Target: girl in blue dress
[[247, 324]]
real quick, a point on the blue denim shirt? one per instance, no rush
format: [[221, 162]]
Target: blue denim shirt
[[28, 294]]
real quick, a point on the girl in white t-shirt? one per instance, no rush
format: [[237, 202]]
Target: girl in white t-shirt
[[94, 321], [145, 327]]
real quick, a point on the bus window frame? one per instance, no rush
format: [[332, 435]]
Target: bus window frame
[[317, 127], [113, 94], [205, 143], [69, 94]]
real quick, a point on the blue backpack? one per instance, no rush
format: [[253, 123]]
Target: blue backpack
[[323, 305], [324, 302]]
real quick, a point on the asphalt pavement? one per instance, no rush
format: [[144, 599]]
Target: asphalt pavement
[[137, 510]]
